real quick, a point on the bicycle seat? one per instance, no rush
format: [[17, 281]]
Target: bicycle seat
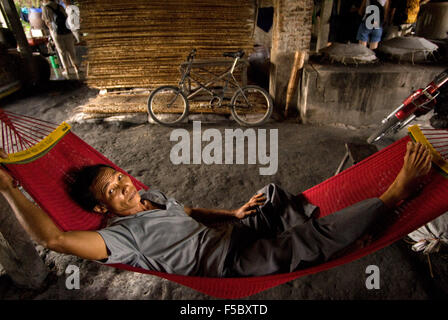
[[237, 54]]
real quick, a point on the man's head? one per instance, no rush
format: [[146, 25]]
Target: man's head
[[102, 189]]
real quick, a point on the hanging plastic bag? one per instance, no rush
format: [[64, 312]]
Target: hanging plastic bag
[[432, 236]]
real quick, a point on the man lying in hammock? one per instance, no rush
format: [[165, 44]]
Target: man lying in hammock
[[275, 233]]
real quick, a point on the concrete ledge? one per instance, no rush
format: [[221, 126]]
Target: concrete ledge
[[358, 95]]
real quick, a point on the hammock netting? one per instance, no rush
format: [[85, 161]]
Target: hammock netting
[[45, 176]]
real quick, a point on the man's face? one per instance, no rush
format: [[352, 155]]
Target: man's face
[[115, 192]]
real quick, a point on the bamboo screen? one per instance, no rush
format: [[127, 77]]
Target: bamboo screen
[[141, 43]]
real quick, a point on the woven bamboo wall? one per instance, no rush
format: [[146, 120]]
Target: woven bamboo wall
[[141, 43]]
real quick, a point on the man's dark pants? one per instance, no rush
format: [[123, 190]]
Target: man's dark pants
[[283, 236]]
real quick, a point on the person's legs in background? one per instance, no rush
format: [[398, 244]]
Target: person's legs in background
[[60, 48], [67, 45], [363, 34], [375, 38], [70, 44]]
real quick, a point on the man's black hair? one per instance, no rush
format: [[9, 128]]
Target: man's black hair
[[79, 183]]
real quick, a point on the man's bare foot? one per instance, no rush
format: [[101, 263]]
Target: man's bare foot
[[417, 163]]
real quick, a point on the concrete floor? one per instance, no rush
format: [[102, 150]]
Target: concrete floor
[[307, 155]]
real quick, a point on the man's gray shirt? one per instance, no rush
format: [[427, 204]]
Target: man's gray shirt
[[283, 236], [166, 240]]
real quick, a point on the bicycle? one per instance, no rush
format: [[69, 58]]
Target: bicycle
[[250, 105]]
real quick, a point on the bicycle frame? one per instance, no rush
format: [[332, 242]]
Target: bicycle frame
[[206, 87], [246, 102]]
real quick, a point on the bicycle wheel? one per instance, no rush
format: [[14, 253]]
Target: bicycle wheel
[[167, 105], [383, 129], [251, 106]]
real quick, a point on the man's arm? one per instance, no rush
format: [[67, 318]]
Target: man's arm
[[211, 215], [84, 244]]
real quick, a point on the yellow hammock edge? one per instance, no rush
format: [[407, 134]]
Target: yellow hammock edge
[[40, 148], [437, 159]]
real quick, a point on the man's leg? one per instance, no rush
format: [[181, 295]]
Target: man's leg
[[306, 244], [417, 163], [318, 240], [341, 229]]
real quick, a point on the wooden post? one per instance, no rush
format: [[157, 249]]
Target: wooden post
[[16, 27], [18, 256], [324, 24], [299, 60], [291, 32]]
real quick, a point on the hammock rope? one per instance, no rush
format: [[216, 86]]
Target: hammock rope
[[20, 133], [45, 176]]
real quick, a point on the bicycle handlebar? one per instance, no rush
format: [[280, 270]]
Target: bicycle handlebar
[[237, 54], [191, 55]]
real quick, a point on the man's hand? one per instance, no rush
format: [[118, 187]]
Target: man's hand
[[6, 180], [249, 207]]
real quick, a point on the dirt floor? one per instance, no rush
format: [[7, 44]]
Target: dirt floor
[[307, 155]]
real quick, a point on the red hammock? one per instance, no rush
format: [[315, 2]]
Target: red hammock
[[44, 179]]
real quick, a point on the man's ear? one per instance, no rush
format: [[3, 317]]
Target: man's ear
[[100, 208]]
